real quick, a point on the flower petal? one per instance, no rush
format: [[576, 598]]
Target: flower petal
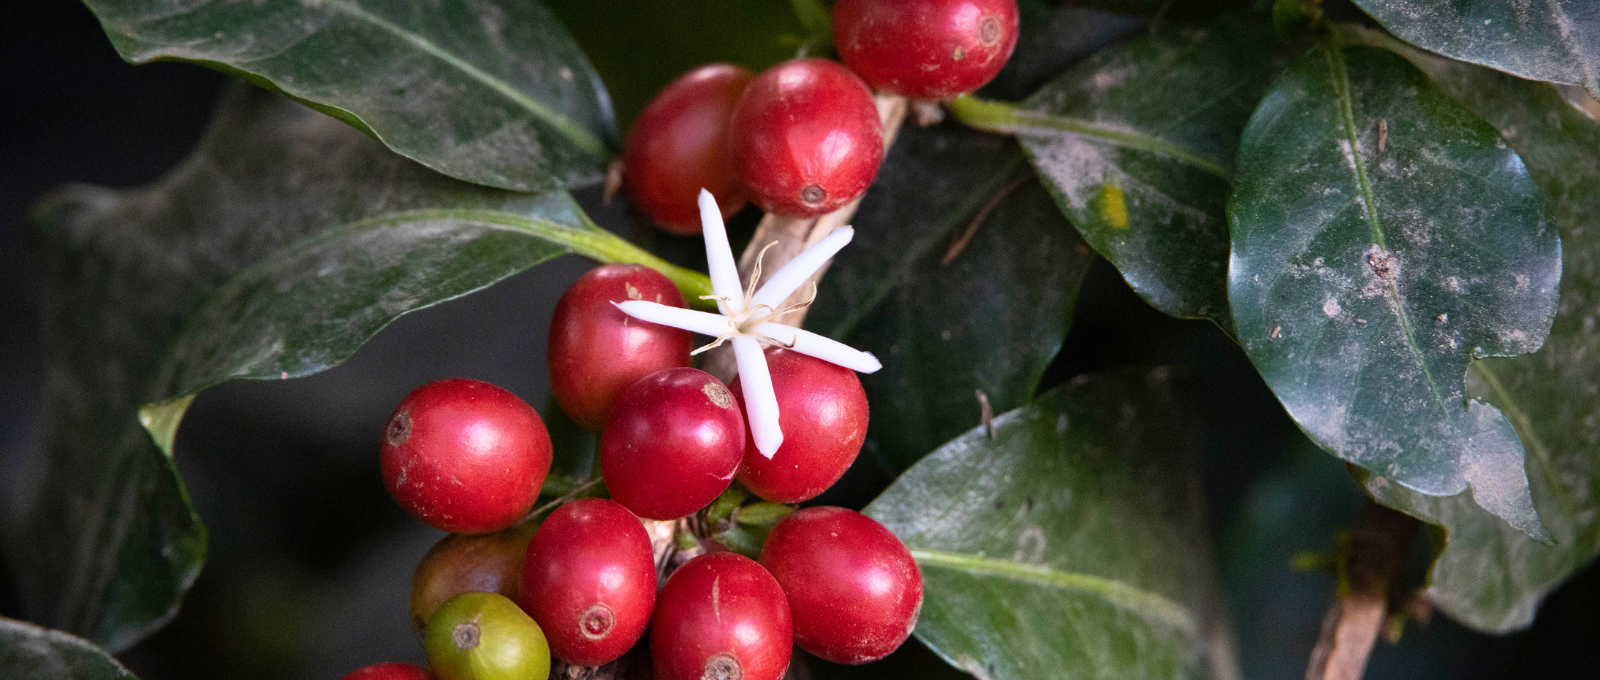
[[784, 282], [821, 347], [704, 323], [720, 264], [760, 402]]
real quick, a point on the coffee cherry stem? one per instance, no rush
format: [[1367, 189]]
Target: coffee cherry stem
[[570, 495]]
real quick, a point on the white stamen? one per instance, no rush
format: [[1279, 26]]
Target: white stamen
[[784, 282], [719, 257], [760, 402], [704, 323], [821, 347]]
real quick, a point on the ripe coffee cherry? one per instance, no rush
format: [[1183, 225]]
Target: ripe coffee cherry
[[806, 137], [590, 581], [464, 456], [484, 636], [389, 671], [721, 616], [853, 588], [673, 443], [462, 563], [927, 49], [596, 351], [823, 413], [679, 144]]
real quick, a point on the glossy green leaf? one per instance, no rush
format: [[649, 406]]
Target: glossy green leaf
[[1553, 40], [1136, 145], [1070, 544], [235, 265], [1488, 576], [488, 91], [29, 652], [991, 319], [1383, 238]]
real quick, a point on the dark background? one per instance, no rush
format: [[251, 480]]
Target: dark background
[[310, 563]]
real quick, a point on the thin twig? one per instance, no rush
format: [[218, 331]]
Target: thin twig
[[559, 501], [961, 241], [985, 413], [1375, 555]]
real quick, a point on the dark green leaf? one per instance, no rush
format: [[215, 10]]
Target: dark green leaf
[[491, 92], [1556, 40], [639, 46], [1489, 576], [1137, 145], [29, 652], [991, 319], [1052, 39], [1071, 544], [232, 266], [1383, 237], [575, 448]]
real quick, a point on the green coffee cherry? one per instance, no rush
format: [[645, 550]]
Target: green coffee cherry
[[485, 636]]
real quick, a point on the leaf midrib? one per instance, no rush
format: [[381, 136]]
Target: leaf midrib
[[579, 136], [1341, 79], [1137, 141], [1147, 604]]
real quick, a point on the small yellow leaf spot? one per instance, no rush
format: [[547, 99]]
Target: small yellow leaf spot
[[1112, 208]]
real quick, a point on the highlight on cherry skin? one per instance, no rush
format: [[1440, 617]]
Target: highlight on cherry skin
[[464, 456], [679, 144], [484, 636], [823, 412], [673, 443], [806, 138], [389, 671], [929, 49], [854, 590], [464, 563], [596, 351], [589, 580], [721, 615]]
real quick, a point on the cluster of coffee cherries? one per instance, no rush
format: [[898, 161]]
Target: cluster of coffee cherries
[[804, 137], [503, 595]]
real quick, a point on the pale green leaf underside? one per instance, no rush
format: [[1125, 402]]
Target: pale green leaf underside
[[1071, 544], [29, 652], [1383, 238], [488, 91]]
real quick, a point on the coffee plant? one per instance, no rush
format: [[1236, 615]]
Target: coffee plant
[[1387, 206]]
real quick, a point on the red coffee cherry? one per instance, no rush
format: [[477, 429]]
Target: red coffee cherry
[[673, 443], [464, 456], [389, 671], [590, 581], [853, 588], [721, 616], [596, 351], [679, 144], [929, 49], [823, 413], [806, 137]]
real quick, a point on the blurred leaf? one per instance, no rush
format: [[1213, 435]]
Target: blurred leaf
[[1383, 237], [491, 92], [1556, 41], [762, 514], [1489, 576], [1137, 145], [234, 265], [29, 652], [991, 319], [1072, 543], [639, 46], [1053, 39], [575, 448]]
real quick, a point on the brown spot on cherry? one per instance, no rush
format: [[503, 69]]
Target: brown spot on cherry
[[399, 429], [989, 31], [466, 635], [813, 194], [718, 394], [597, 622], [722, 667]]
